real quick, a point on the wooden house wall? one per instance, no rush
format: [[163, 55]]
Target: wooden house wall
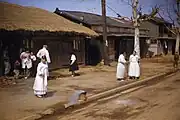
[[111, 48], [153, 28], [59, 48], [118, 30]]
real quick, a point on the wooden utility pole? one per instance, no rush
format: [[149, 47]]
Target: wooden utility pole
[[136, 26], [177, 29], [105, 43]]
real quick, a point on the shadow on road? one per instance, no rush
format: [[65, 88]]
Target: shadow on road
[[50, 93]]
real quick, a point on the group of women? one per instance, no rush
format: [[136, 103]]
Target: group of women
[[40, 83], [134, 68]]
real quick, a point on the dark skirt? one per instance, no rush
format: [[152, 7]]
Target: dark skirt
[[74, 67]]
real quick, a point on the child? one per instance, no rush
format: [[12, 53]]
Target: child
[[16, 69]]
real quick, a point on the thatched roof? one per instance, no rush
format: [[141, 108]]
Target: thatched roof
[[16, 17]]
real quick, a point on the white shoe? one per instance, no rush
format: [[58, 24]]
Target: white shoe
[[26, 77], [39, 96]]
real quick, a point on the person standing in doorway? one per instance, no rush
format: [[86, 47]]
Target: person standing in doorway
[[1, 62], [73, 64], [1, 59], [26, 63], [134, 68], [121, 67], [40, 83], [7, 65]]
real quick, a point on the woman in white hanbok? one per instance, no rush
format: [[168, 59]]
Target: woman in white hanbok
[[121, 67], [134, 68], [40, 83]]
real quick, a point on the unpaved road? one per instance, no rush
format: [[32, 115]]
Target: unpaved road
[[156, 102]]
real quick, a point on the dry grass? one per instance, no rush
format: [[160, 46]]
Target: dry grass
[[16, 17]]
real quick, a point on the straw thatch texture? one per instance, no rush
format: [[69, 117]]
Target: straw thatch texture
[[16, 17]]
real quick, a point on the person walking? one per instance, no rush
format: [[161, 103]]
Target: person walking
[[134, 68], [40, 83], [33, 59], [176, 60], [120, 72], [73, 64]]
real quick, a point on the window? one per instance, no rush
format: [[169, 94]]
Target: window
[[153, 41], [76, 44]]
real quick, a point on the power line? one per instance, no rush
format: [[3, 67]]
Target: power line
[[113, 10], [109, 8]]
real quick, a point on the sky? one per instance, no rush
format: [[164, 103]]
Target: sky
[[93, 6]]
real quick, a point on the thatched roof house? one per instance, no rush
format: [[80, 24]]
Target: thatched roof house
[[16, 17]]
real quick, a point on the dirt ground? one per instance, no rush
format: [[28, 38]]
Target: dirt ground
[[155, 102], [17, 101]]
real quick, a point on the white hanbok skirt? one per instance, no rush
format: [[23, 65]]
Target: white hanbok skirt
[[40, 85], [120, 72], [134, 69]]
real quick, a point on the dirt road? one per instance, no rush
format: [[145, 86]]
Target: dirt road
[[154, 102], [17, 101]]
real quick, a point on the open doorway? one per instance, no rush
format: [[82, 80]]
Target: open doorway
[[92, 51]]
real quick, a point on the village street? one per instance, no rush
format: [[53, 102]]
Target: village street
[[151, 102], [99, 47], [18, 100]]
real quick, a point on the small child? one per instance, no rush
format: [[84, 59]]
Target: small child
[[16, 69]]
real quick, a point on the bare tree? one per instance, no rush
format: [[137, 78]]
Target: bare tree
[[138, 18], [171, 12]]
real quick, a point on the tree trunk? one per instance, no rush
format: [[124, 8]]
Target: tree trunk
[[136, 41], [136, 25], [177, 42]]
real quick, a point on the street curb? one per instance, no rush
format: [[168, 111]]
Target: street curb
[[59, 107]]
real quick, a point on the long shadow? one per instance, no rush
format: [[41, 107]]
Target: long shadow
[[50, 93]]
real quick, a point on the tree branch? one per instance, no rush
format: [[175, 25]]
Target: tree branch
[[166, 25], [153, 13]]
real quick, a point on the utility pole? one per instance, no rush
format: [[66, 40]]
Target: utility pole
[[177, 29], [136, 26], [105, 43]]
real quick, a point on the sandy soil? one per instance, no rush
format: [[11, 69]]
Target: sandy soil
[[155, 102], [17, 101]]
